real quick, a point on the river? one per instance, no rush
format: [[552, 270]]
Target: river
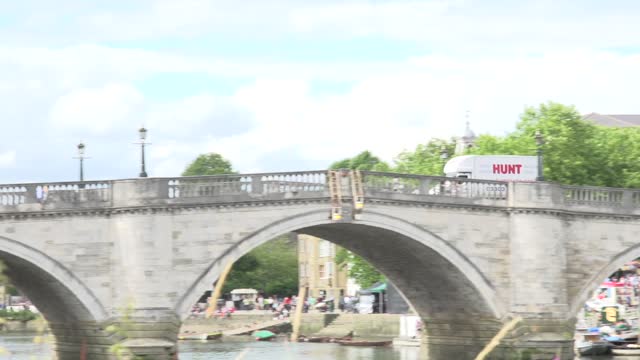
[[23, 347]]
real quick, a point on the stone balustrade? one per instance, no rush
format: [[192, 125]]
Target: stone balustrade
[[298, 185]]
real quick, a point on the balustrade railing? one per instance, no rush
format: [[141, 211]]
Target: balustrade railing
[[59, 193], [434, 186], [272, 186], [13, 195], [588, 195], [248, 184]]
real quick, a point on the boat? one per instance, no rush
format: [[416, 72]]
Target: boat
[[196, 336], [317, 339], [630, 349], [592, 344], [263, 335], [364, 342]]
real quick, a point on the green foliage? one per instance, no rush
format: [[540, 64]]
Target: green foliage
[[271, 267], [22, 315], [363, 273], [575, 152], [426, 159], [209, 164], [570, 156], [363, 161]]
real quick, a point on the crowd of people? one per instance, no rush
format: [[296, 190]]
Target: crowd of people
[[281, 307]]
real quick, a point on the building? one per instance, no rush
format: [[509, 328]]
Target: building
[[318, 271], [466, 141], [613, 120]]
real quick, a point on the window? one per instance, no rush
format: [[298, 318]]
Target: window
[[325, 248], [329, 268], [303, 270], [326, 270]]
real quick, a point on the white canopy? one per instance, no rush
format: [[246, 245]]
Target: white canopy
[[244, 291]]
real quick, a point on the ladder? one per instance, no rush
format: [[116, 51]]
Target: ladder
[[357, 191], [336, 195]]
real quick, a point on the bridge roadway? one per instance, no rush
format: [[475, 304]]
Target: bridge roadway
[[468, 255]]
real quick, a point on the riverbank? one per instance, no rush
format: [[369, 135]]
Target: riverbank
[[312, 324], [16, 326]]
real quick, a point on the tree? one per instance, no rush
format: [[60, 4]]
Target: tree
[[363, 161], [359, 269], [575, 152], [426, 159], [570, 152], [272, 268], [362, 272], [209, 164]]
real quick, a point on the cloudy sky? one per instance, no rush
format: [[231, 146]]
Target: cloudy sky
[[283, 85]]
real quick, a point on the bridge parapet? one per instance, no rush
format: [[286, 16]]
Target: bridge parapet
[[601, 199], [410, 187], [261, 187], [29, 197]]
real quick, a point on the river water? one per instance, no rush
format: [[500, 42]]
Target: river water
[[23, 347]]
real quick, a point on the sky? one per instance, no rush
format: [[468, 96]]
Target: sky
[[289, 85]]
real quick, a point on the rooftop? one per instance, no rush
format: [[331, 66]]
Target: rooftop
[[613, 120]]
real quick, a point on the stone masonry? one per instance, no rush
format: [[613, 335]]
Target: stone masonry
[[134, 255]]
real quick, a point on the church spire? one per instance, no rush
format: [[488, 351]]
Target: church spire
[[467, 140]]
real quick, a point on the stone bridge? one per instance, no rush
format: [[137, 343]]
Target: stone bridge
[[468, 255]]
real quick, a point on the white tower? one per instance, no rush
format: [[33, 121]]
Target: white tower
[[467, 140]]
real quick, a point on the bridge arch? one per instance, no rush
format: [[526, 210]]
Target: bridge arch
[[59, 295], [594, 281], [427, 270]]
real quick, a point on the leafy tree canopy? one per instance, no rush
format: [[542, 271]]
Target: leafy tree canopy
[[209, 164], [575, 151], [362, 272], [363, 161], [271, 268], [426, 159]]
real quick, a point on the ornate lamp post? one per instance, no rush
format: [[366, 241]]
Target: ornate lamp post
[[143, 136], [539, 143], [81, 157]]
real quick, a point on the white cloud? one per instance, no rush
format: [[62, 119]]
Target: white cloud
[[96, 110], [7, 159]]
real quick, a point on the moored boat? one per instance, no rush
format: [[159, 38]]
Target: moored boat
[[591, 344], [631, 349], [263, 335], [196, 336], [365, 342]]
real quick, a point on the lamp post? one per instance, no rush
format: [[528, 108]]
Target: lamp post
[[81, 157], [444, 155], [142, 132], [539, 143]]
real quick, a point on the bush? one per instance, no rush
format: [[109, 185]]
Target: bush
[[22, 315]]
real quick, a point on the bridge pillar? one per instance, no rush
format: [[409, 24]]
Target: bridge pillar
[[531, 339], [460, 339], [538, 276], [141, 333]]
